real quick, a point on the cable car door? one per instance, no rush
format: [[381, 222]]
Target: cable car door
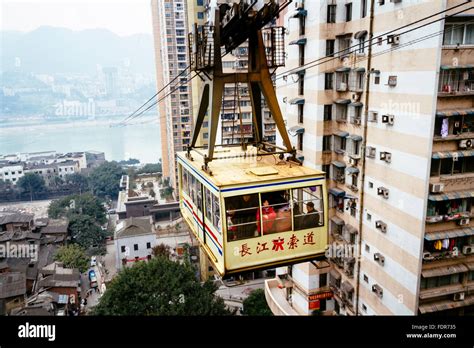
[[200, 221]]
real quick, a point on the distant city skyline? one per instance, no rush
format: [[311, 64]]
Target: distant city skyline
[[123, 17]]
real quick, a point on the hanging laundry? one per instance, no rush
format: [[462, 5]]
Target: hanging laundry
[[437, 245], [452, 242], [444, 128], [445, 243]]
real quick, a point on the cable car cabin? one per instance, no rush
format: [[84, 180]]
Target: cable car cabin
[[253, 212]]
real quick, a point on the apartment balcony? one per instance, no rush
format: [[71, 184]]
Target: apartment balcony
[[276, 298], [456, 81], [443, 305]]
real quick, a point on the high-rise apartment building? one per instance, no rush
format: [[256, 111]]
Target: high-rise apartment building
[[170, 31], [392, 124]]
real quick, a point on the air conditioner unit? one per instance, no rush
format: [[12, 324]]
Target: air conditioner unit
[[379, 258], [468, 249], [464, 222], [393, 39], [378, 290], [382, 226], [383, 191], [352, 161], [465, 144], [386, 156], [436, 188], [370, 151], [388, 119], [459, 296], [373, 116]]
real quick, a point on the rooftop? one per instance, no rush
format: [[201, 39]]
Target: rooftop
[[245, 167], [56, 226], [12, 284], [134, 227], [12, 217]]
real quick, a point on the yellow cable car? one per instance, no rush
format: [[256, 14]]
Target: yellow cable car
[[253, 212]]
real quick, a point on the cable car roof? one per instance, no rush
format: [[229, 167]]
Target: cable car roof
[[247, 169]]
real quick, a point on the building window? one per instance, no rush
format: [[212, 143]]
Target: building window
[[326, 169], [330, 48], [366, 279], [135, 246], [349, 12], [458, 34], [369, 217], [200, 2], [122, 248], [363, 8], [323, 280], [367, 248], [327, 144], [361, 48], [300, 142], [331, 18], [200, 15], [301, 85], [344, 44], [300, 113], [328, 112], [328, 81], [148, 245], [364, 307]]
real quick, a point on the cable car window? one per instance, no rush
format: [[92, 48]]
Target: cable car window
[[185, 185], [308, 208], [192, 189], [275, 212], [209, 205], [241, 213], [216, 213]]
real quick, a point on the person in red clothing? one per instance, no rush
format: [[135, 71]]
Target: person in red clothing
[[268, 215]]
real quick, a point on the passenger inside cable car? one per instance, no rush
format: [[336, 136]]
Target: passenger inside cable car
[[246, 218]]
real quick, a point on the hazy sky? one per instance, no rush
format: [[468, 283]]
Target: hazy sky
[[123, 17]]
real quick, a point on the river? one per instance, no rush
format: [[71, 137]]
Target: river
[[140, 140]]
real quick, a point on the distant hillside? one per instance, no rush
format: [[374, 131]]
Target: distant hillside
[[57, 50]]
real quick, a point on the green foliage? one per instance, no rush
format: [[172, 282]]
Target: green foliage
[[31, 183], [130, 161], [79, 181], [256, 304], [85, 204], [105, 179], [160, 287], [150, 168], [166, 192], [73, 256], [161, 250], [85, 232]]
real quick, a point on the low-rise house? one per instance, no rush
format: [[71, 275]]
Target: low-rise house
[[134, 239], [57, 229], [12, 291], [11, 171], [63, 281], [13, 221]]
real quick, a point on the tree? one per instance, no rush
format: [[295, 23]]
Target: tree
[[85, 232], [150, 168], [32, 183], [73, 256], [256, 304], [152, 193], [161, 250], [79, 181], [160, 287], [85, 204], [105, 179], [56, 181]]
